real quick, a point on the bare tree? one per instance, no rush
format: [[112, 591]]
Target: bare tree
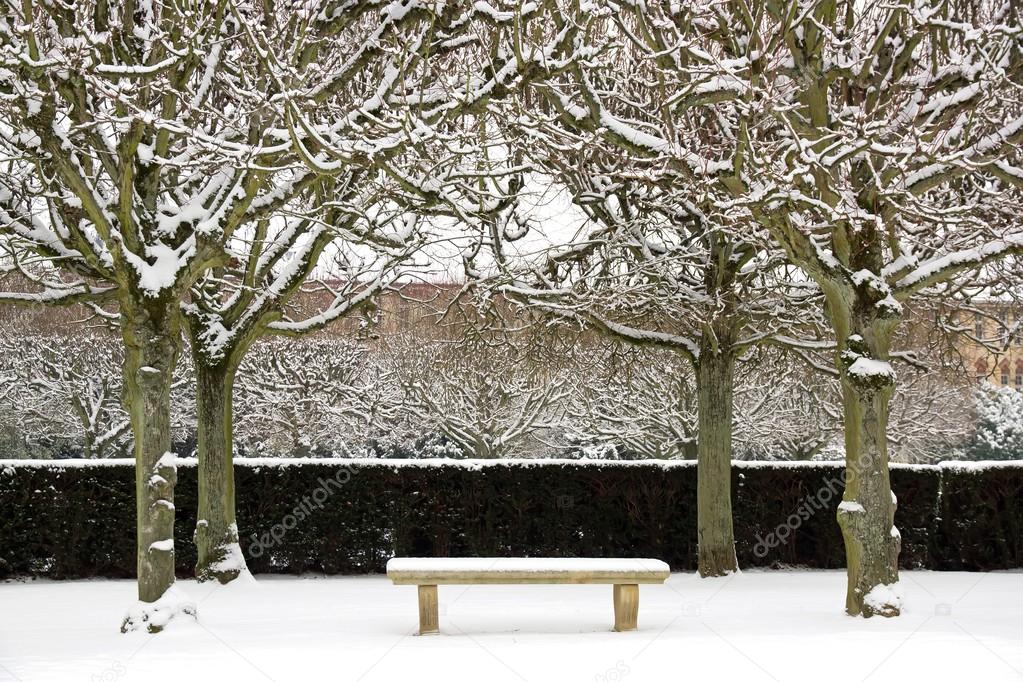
[[486, 396], [128, 164], [656, 266], [312, 396], [875, 142], [65, 389], [233, 306], [371, 96], [139, 140], [635, 402]]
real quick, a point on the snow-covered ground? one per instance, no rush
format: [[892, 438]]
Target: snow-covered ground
[[754, 626]]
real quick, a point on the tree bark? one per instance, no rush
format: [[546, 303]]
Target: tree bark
[[152, 341], [216, 531], [867, 512], [715, 371]]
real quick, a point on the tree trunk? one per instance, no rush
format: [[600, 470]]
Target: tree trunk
[[715, 370], [151, 334], [867, 512], [216, 531]]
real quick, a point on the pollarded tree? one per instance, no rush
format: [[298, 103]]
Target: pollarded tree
[[65, 389], [129, 155], [887, 180], [314, 395], [654, 265], [876, 142], [640, 402], [270, 287], [139, 140], [488, 396], [369, 94], [656, 262]]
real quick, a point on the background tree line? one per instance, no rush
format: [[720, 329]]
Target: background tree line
[[419, 388]]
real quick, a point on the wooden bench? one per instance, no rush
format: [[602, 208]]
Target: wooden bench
[[625, 575]]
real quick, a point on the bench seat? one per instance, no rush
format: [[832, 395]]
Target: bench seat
[[624, 574], [486, 571]]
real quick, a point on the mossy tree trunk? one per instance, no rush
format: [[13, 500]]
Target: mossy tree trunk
[[151, 332], [864, 327], [715, 380], [715, 371], [216, 531]]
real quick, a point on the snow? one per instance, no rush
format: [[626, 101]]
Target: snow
[[756, 625], [903, 262], [162, 273], [354, 462], [633, 135], [977, 467], [851, 508], [884, 596], [864, 367], [861, 277], [948, 262], [497, 15], [157, 615], [233, 559], [137, 70], [66, 463], [889, 304], [524, 565], [162, 546]]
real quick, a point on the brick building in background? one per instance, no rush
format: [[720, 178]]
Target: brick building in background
[[993, 349]]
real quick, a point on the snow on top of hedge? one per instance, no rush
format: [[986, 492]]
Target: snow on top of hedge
[[66, 463], [259, 462], [981, 466]]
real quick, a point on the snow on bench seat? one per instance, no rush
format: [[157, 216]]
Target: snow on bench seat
[[497, 571], [624, 575]]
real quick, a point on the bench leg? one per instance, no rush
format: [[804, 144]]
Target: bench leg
[[429, 621], [626, 607]]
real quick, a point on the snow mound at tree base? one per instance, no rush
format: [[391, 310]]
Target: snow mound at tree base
[[230, 567], [883, 600], [154, 616]]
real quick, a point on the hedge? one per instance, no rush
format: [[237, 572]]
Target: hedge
[[75, 519]]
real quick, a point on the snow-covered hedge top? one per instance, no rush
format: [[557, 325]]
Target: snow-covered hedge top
[[259, 462], [981, 466]]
